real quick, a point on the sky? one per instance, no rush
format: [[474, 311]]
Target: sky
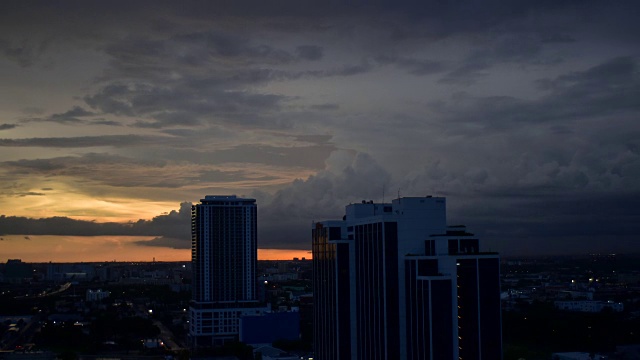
[[116, 116]]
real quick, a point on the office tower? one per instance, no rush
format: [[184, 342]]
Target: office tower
[[224, 260], [393, 281]]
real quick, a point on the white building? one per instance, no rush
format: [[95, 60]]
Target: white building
[[394, 281]]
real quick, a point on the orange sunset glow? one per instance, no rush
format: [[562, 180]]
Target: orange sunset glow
[[47, 248]]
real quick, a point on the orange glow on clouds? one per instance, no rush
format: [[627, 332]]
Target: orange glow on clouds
[[59, 198]]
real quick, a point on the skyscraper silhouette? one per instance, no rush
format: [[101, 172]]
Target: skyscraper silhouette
[[393, 281], [224, 260]]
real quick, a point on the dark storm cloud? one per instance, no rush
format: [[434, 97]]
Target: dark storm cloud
[[520, 49], [111, 99], [191, 102], [466, 74], [35, 166], [441, 18], [218, 176], [105, 122], [7, 126], [83, 141], [616, 75], [412, 66], [309, 52], [222, 95], [570, 185], [314, 139], [325, 107], [606, 89], [302, 156], [74, 162], [553, 37], [23, 51], [549, 201], [347, 70], [168, 119], [120, 171], [29, 193], [319, 197], [216, 52], [226, 45], [70, 117]]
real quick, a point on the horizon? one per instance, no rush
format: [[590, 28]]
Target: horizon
[[119, 249], [310, 258]]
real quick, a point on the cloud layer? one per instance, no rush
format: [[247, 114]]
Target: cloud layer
[[524, 114]]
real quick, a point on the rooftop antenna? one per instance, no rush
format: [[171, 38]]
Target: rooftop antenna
[[398, 194], [383, 193]]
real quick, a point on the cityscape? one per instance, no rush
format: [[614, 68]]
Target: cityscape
[[389, 281], [318, 180]]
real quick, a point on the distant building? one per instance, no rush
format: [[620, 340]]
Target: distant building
[[393, 281], [589, 306], [224, 261], [96, 295], [15, 271], [576, 356], [64, 272], [27, 355]]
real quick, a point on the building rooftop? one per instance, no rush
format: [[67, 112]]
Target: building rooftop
[[219, 199]]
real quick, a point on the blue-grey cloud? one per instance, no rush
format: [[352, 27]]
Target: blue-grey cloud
[[309, 52], [82, 141], [7, 126], [74, 116], [175, 224], [606, 89], [412, 66]]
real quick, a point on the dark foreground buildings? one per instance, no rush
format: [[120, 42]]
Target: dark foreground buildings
[[393, 281]]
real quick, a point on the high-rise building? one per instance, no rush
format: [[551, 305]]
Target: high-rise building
[[393, 281], [224, 261]]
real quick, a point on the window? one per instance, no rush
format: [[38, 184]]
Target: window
[[427, 267], [430, 247], [453, 246], [469, 246]]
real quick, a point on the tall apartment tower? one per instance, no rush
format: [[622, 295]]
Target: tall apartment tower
[[393, 281], [224, 261]]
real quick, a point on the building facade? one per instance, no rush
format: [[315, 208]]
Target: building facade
[[393, 281], [224, 261]]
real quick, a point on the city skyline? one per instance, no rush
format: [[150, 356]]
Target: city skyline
[[116, 117], [395, 281]]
